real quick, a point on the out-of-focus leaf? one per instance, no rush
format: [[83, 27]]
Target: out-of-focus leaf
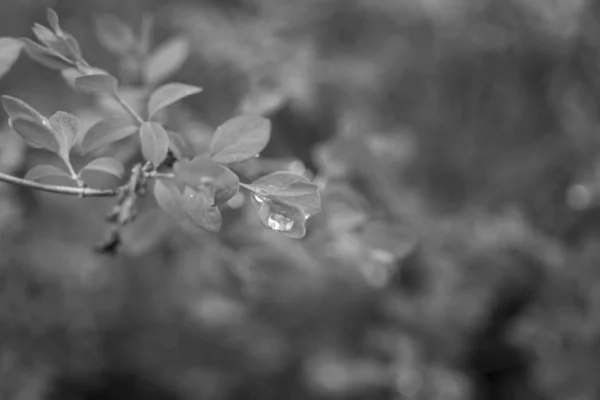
[[203, 173], [53, 20], [47, 57], [393, 238], [240, 138], [72, 44], [168, 94], [155, 142], [263, 103], [18, 109], [346, 209], [114, 34], [101, 84], [9, 53], [43, 171], [107, 131], [292, 188], [66, 127], [107, 165], [166, 59], [50, 40], [197, 205], [36, 133], [281, 217], [145, 232]]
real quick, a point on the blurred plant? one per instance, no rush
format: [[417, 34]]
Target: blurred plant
[[190, 186]]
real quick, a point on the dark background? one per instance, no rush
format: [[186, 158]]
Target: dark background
[[473, 124]]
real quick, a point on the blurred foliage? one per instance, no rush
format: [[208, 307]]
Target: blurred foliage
[[456, 256]]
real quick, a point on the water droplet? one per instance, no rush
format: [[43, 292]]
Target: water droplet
[[280, 223], [258, 199]]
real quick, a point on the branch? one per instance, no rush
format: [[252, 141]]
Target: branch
[[66, 190]]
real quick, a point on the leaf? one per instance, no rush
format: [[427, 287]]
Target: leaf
[[393, 238], [36, 134], [166, 59], [9, 53], [292, 188], [170, 200], [114, 34], [197, 206], [203, 173], [66, 127], [105, 132], [168, 94], [155, 142], [281, 217], [62, 43], [178, 145], [42, 171], [47, 57], [107, 165], [50, 40], [100, 84], [239, 139], [17, 108], [53, 20], [72, 44], [263, 103]]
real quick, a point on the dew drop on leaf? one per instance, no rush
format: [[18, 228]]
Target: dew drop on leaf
[[258, 199], [280, 223]]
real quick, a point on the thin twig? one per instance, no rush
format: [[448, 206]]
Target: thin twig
[[66, 190]]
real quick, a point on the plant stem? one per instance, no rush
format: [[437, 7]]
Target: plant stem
[[74, 174], [247, 187], [128, 108], [67, 190]]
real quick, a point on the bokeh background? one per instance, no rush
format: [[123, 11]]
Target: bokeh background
[[457, 253]]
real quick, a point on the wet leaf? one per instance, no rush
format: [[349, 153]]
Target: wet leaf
[[240, 139], [10, 49], [168, 94], [106, 132], [43, 171], [107, 165], [281, 217], [155, 142], [114, 34], [47, 57], [197, 205], [66, 127], [203, 173], [292, 188], [166, 59], [99, 84]]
